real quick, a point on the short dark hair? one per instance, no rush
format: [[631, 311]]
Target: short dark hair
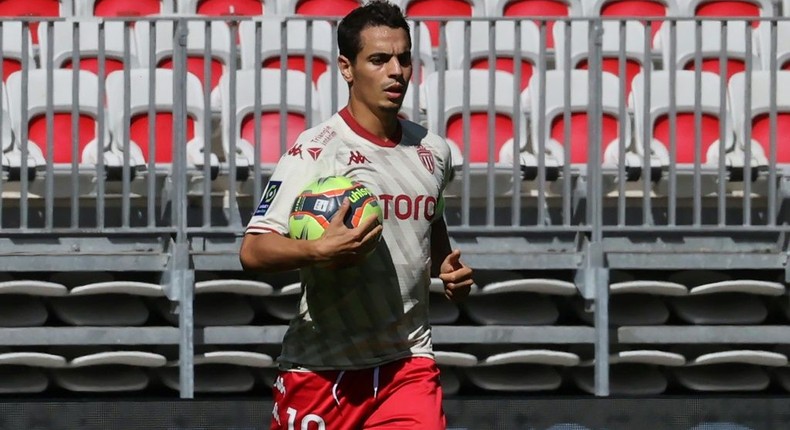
[[376, 13]]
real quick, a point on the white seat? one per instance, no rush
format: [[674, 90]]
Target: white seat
[[633, 372], [633, 48], [440, 309], [445, 118], [227, 7], [134, 288], [32, 359], [735, 8], [234, 286], [695, 278], [300, 115], [423, 9], [63, 50], [782, 53], [517, 301], [220, 371], [295, 45], [659, 288], [63, 104], [14, 56], [455, 358], [22, 380], [237, 358], [504, 52], [283, 304], [124, 8], [727, 302], [101, 379], [555, 108], [711, 46], [631, 8], [658, 118], [162, 105], [197, 48], [760, 106], [33, 288], [524, 370], [738, 370], [125, 358]]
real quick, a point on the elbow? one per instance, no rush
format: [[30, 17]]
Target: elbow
[[248, 258]]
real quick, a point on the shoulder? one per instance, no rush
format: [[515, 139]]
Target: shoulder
[[313, 143]]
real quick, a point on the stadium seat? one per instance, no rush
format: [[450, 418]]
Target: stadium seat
[[299, 116], [63, 50], [733, 8], [443, 8], [636, 302], [36, 8], [635, 8], [524, 370], [25, 372], [555, 142], [22, 305], [106, 303], [140, 107], [197, 50], [445, 117], [220, 302], [228, 7], [64, 107], [450, 364], [328, 108], [726, 370], [283, 304], [782, 52], [296, 45], [14, 57], [504, 52], [329, 8], [658, 124], [440, 309], [733, 302], [760, 106], [631, 373], [108, 371], [124, 8], [11, 146], [712, 46], [220, 371], [507, 298], [578, 57], [533, 8]]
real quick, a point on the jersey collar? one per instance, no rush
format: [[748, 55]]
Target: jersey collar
[[358, 129]]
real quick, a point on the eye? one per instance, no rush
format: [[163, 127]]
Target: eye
[[378, 60], [405, 59]]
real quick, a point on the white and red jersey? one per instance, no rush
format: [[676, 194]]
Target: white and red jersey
[[377, 311]]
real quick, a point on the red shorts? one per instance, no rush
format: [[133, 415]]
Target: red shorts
[[403, 394]]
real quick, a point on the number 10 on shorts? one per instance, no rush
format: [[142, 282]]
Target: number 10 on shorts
[[305, 422]]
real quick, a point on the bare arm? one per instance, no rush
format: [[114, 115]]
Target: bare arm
[[272, 252], [447, 265]]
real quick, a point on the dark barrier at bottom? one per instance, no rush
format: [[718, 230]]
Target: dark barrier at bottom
[[686, 413]]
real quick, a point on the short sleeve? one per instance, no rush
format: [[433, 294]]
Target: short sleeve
[[295, 170]]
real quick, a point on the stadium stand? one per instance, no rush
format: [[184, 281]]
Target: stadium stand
[[577, 270]]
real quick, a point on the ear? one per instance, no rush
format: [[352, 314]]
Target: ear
[[344, 64]]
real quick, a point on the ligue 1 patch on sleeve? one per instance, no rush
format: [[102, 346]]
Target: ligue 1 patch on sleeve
[[268, 197]]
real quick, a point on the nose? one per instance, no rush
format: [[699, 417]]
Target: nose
[[394, 67]]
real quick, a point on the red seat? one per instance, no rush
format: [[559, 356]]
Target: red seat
[[31, 8], [163, 135], [423, 8], [62, 132], [10, 65], [612, 65], [728, 8], [714, 65], [507, 64], [686, 134], [579, 137], [538, 8], [630, 8], [270, 132], [91, 64], [761, 132], [196, 65], [326, 7], [127, 7], [230, 7], [298, 62], [478, 138]]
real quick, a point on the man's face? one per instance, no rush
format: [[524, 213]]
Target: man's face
[[382, 70]]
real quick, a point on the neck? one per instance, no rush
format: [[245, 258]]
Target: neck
[[381, 124]]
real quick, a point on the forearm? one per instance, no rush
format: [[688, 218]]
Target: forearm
[[440, 245], [271, 252]]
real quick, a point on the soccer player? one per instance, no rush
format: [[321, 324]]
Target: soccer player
[[359, 352]]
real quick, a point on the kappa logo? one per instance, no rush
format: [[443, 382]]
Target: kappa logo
[[295, 150], [426, 156], [279, 384], [314, 152], [356, 157]]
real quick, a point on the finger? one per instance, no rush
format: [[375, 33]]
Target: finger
[[457, 275], [368, 224], [454, 256], [340, 215], [373, 234]]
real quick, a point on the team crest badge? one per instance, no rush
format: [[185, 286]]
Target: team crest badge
[[426, 156]]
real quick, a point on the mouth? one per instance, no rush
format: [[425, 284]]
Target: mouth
[[394, 91]]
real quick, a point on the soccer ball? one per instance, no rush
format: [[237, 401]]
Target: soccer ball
[[314, 208]]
